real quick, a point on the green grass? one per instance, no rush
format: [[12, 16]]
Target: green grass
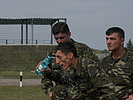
[[22, 93], [16, 75]]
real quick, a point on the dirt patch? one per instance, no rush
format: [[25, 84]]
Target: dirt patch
[[16, 82]]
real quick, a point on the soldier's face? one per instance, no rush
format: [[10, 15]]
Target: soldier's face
[[62, 37], [63, 59], [114, 42]]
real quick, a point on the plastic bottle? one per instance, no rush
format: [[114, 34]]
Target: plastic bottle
[[43, 65]]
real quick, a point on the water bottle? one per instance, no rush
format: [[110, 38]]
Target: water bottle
[[43, 65]]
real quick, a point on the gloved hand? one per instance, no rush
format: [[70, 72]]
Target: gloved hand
[[42, 65]]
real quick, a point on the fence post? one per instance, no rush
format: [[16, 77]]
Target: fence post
[[36, 41], [6, 42], [20, 78]]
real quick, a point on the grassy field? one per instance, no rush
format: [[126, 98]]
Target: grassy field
[[23, 58], [22, 93], [16, 75]]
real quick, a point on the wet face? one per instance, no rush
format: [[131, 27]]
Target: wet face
[[114, 42], [63, 59], [62, 37]]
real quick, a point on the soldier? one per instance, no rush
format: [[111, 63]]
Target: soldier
[[77, 80], [117, 77], [62, 33]]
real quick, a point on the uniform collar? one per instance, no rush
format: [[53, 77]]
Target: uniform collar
[[123, 57]]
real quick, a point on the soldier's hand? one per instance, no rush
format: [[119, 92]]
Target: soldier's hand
[[130, 97], [50, 95]]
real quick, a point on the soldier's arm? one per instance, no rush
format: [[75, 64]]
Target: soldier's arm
[[49, 77], [46, 84], [93, 72]]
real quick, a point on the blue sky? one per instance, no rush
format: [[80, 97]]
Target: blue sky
[[88, 19]]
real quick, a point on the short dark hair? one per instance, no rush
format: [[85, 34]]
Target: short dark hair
[[60, 27], [116, 30], [67, 47]]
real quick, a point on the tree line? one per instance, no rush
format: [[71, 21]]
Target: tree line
[[129, 45]]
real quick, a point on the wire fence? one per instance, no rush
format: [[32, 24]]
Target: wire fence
[[17, 41], [15, 38]]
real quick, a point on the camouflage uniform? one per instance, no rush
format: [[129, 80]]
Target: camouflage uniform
[[117, 77], [47, 82], [75, 83]]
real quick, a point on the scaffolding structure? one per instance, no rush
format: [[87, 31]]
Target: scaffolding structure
[[32, 22]]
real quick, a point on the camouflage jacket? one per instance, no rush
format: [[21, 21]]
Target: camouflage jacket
[[82, 50], [117, 77], [76, 83]]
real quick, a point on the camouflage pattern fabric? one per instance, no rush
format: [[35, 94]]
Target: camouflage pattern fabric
[[76, 84], [117, 77], [82, 50]]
